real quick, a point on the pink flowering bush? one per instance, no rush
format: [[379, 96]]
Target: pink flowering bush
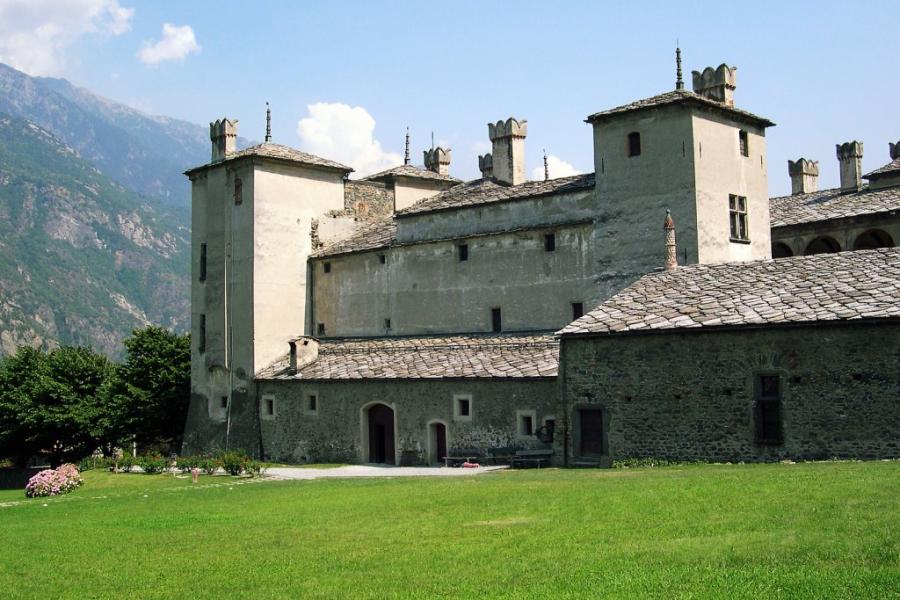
[[53, 482]]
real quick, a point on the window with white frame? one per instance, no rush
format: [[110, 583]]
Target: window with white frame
[[267, 406], [462, 407]]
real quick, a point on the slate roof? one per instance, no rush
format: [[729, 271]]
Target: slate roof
[[278, 152], [411, 171], [486, 191], [892, 168], [831, 204], [677, 97], [801, 289], [371, 236], [460, 356]]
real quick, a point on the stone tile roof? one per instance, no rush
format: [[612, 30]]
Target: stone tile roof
[[279, 152], [485, 191], [892, 168], [371, 236], [823, 287], [411, 171], [460, 356], [676, 97], [831, 204]]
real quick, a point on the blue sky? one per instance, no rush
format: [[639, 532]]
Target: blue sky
[[825, 72]]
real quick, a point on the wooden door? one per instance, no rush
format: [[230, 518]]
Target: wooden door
[[440, 442], [591, 432], [381, 434]]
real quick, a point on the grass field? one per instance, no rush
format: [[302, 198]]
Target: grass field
[[822, 530]]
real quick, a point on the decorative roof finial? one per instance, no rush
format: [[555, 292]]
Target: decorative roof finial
[[432, 140], [406, 155], [679, 82], [546, 166], [671, 250], [268, 123]]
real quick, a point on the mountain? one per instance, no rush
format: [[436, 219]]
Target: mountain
[[145, 153], [83, 259]]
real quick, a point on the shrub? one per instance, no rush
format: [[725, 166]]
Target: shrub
[[186, 463], [209, 465], [255, 468], [53, 482], [125, 464], [95, 462], [234, 461], [153, 463]]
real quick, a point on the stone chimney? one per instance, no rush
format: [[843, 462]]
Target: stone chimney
[[671, 249], [804, 176], [849, 155], [508, 152], [716, 84], [486, 166], [223, 135], [304, 350], [438, 160]]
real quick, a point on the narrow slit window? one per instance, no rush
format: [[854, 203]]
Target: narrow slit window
[[634, 144], [462, 252], [224, 402], [382, 258], [238, 190], [270, 407], [387, 324], [320, 329], [550, 242], [496, 320], [768, 409], [326, 267], [203, 262], [312, 403], [201, 344]]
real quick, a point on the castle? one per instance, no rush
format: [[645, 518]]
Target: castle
[[633, 311]]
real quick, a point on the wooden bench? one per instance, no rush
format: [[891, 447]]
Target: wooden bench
[[531, 458]]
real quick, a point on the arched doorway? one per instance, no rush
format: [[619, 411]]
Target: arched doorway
[[823, 245], [873, 238], [437, 442], [380, 429], [781, 250]]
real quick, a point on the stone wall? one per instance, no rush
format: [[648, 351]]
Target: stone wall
[[690, 396], [368, 200], [334, 432]]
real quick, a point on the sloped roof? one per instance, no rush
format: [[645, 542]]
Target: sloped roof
[[414, 172], [278, 152], [459, 356], [486, 191], [371, 236], [678, 97], [831, 204], [892, 168], [801, 289]]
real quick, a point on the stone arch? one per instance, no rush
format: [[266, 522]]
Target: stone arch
[[873, 238], [378, 427], [822, 245], [781, 250]]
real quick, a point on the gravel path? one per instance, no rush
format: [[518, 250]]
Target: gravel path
[[376, 471]]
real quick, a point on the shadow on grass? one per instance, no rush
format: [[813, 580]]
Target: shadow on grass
[[15, 479]]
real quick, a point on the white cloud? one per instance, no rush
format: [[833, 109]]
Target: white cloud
[[35, 34], [557, 167], [345, 134], [176, 43]]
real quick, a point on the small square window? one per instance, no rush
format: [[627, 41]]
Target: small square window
[[320, 329], [634, 144], [326, 267], [382, 258], [387, 324], [223, 402], [550, 242], [496, 320], [577, 310], [268, 407], [744, 143], [462, 407], [311, 403], [462, 252], [525, 423]]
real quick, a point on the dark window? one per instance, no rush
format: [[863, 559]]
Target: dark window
[[462, 251], [634, 144], [550, 242], [463, 407], [743, 143], [312, 403], [270, 406], [202, 262], [768, 409], [320, 329], [224, 402], [548, 430], [577, 310], [382, 258], [238, 190], [526, 426], [737, 212], [387, 323], [201, 344], [326, 267], [496, 321], [823, 245], [781, 250]]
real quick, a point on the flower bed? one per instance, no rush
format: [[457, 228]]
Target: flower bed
[[53, 482]]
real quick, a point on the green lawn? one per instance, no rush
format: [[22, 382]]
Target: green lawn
[[824, 530]]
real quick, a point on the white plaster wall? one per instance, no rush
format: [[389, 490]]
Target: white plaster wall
[[408, 191], [287, 198], [722, 170], [424, 288]]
